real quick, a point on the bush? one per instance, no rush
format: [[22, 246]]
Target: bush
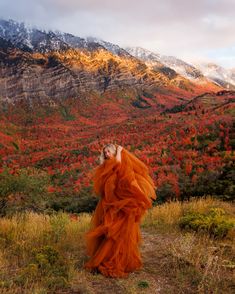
[[84, 201], [164, 193], [214, 222], [143, 284], [46, 265], [219, 183], [58, 223], [26, 189], [66, 114]]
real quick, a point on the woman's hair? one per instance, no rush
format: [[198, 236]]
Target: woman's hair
[[113, 149]]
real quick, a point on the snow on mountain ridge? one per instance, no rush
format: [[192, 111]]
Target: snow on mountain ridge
[[157, 60], [196, 72], [29, 38], [217, 72], [113, 48], [143, 53], [33, 39]]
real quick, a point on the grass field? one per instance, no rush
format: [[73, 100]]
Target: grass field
[[45, 253]]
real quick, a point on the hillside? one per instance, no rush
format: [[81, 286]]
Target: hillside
[[184, 149]]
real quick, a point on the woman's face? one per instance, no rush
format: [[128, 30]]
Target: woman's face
[[108, 153]]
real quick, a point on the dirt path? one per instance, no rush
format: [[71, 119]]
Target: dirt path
[[150, 279]]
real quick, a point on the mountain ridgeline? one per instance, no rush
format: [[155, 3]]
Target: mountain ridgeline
[[50, 68]]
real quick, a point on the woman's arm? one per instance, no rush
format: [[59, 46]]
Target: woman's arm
[[101, 158], [119, 155]]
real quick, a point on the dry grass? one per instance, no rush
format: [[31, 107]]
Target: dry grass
[[22, 233], [169, 213], [194, 259], [204, 258], [174, 261]]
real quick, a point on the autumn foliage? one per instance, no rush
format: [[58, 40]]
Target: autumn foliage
[[188, 150]]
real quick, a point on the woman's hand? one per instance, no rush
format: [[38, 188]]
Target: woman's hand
[[119, 150]]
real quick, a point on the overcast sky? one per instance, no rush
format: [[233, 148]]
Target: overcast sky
[[188, 29]]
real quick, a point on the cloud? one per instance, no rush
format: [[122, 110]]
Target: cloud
[[173, 27]]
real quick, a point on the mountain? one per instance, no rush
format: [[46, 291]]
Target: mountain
[[199, 73], [77, 42], [183, 68], [156, 60], [33, 39], [30, 39], [49, 68], [113, 48], [218, 74]]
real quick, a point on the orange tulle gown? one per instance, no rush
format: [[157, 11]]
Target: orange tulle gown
[[126, 191]]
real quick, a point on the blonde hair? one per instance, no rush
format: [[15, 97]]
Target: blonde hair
[[112, 147]]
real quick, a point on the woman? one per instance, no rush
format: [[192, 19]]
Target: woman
[[126, 191]]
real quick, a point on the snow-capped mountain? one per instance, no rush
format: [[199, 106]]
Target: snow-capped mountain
[[150, 58], [77, 42], [183, 68], [197, 72], [156, 60], [115, 49], [82, 68], [214, 72], [32, 39]]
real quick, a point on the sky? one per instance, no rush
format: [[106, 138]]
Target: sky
[[193, 30]]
